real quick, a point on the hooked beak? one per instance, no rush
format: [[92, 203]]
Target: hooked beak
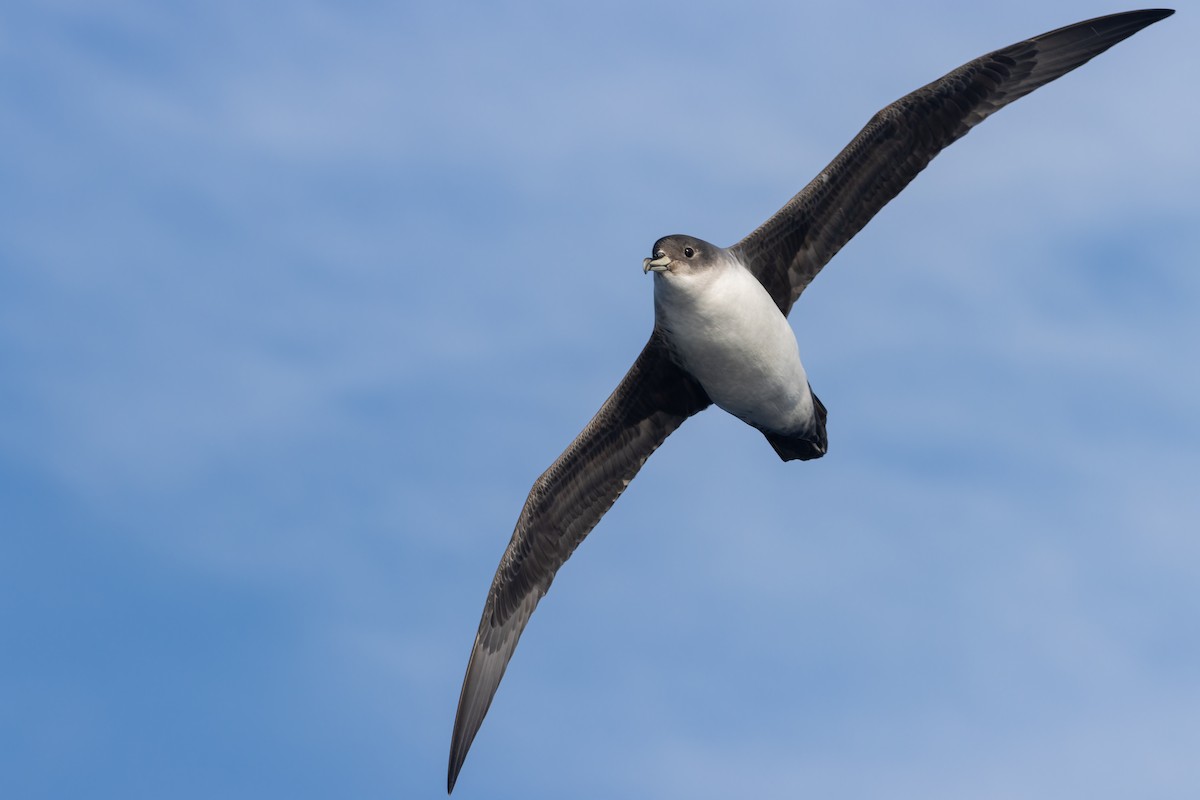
[[659, 264]]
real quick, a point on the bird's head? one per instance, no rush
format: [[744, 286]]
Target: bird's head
[[680, 255]]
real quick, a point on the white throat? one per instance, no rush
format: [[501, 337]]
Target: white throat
[[728, 333]]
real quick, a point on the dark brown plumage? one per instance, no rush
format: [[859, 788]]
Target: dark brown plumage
[[566, 502], [788, 250], [785, 253]]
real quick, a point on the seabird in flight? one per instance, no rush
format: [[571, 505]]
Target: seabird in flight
[[721, 334]]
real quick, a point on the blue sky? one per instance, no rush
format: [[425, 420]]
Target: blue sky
[[297, 299]]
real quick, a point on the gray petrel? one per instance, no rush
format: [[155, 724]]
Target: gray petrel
[[721, 334]]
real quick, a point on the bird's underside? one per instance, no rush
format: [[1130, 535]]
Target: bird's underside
[[785, 253]]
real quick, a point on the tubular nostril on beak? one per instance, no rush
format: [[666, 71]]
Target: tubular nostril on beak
[[658, 264]]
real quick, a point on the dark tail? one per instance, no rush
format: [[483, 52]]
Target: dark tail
[[805, 445]]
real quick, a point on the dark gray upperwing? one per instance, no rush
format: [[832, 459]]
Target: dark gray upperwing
[[566, 502], [787, 251]]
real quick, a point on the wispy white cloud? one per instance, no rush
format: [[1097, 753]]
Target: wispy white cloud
[[291, 314]]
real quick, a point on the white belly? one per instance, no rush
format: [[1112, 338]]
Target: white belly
[[732, 338]]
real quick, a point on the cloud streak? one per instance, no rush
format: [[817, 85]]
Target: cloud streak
[[298, 300]]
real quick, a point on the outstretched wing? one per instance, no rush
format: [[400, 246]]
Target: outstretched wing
[[566, 502], [787, 251]]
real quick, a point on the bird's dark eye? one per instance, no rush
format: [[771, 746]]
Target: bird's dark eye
[[689, 252]]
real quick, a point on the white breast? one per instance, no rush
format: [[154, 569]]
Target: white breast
[[730, 336]]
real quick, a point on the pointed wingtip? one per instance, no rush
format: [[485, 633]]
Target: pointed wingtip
[[460, 743], [1145, 17], [489, 657], [1154, 15], [457, 756], [479, 686]]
